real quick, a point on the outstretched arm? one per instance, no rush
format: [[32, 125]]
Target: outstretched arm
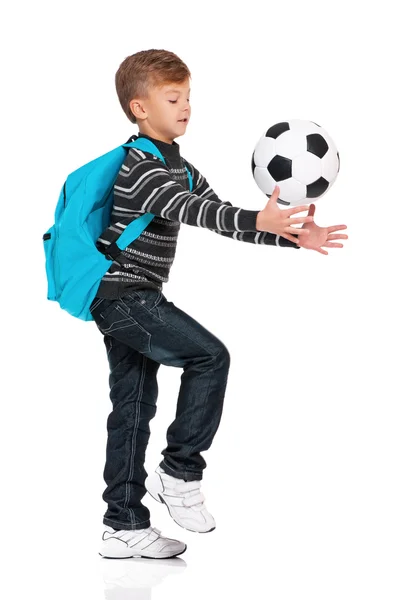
[[145, 184], [202, 188], [264, 238]]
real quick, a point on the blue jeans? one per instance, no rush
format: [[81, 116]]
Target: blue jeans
[[143, 330]]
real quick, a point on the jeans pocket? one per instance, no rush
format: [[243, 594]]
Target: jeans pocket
[[118, 321], [147, 297], [101, 307]]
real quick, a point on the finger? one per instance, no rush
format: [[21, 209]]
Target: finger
[[311, 210], [275, 194], [297, 231], [336, 227], [337, 236], [293, 211], [300, 220], [321, 251], [332, 245]]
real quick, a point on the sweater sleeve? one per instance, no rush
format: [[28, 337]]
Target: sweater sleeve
[[203, 189], [144, 184]]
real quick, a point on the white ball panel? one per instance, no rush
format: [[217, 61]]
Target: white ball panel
[[303, 127], [289, 144], [264, 180], [330, 165], [292, 191], [307, 168], [264, 151]]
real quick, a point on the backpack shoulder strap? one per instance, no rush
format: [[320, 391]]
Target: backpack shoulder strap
[[190, 175], [148, 146], [145, 145], [134, 229]]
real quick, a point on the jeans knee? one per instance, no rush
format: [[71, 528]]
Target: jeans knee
[[224, 356]]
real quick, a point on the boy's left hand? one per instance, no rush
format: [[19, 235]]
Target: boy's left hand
[[320, 236]]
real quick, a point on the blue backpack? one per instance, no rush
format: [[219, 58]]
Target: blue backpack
[[74, 265]]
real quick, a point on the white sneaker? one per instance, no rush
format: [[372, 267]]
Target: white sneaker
[[183, 499], [137, 543]]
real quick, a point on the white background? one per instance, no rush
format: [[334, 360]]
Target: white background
[[302, 474]]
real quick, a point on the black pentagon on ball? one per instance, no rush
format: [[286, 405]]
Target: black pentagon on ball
[[317, 188], [280, 168], [253, 164], [316, 144], [277, 129]]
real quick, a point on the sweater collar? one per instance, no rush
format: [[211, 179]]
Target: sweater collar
[[170, 151]]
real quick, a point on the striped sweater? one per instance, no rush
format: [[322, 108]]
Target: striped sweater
[[146, 184]]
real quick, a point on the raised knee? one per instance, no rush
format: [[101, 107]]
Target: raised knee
[[224, 355]]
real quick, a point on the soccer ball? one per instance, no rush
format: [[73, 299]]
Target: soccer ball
[[300, 157]]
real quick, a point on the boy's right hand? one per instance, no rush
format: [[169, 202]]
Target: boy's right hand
[[278, 221]]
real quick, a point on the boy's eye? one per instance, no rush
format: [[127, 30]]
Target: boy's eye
[[174, 101]]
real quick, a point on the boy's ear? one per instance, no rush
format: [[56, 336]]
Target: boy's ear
[[137, 109]]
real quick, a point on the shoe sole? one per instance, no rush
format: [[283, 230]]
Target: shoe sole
[[143, 556], [165, 503]]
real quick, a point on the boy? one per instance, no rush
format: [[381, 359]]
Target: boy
[[142, 329]]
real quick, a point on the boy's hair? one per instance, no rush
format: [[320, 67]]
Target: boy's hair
[[144, 70]]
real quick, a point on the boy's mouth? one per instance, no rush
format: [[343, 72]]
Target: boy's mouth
[[182, 120]]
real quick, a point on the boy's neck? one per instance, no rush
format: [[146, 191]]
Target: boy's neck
[[156, 136]]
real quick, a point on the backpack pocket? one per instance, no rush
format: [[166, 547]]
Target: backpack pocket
[[49, 252]]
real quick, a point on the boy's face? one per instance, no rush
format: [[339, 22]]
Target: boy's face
[[160, 115]]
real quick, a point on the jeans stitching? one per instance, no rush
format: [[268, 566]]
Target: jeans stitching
[[207, 391], [206, 397], [133, 322], [170, 325], [107, 311], [185, 472], [204, 404], [158, 299], [107, 339], [134, 438], [126, 522], [190, 339], [109, 329], [126, 308], [130, 318], [147, 309], [97, 303]]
